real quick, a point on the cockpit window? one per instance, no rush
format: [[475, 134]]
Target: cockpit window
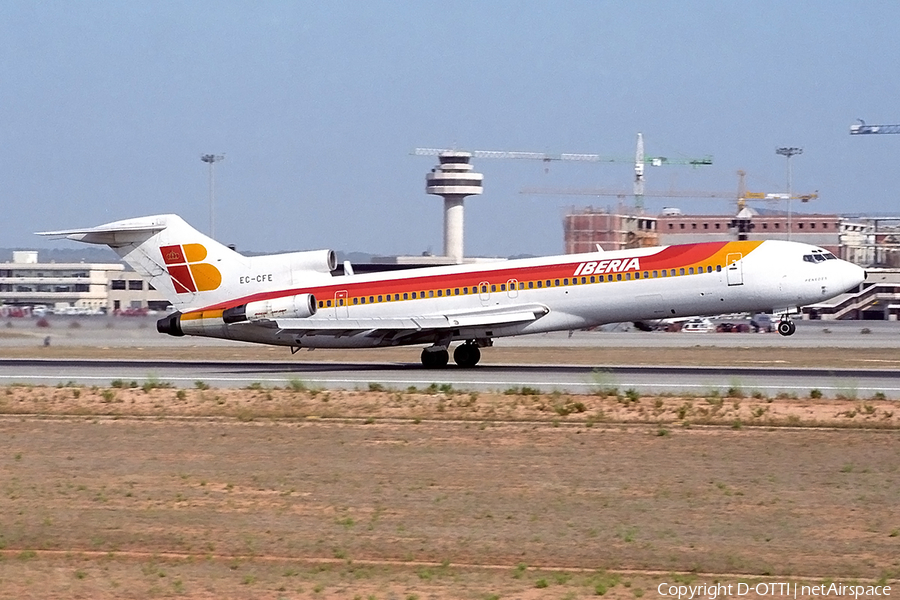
[[818, 256]]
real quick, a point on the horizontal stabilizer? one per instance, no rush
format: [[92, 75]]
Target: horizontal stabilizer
[[112, 234]]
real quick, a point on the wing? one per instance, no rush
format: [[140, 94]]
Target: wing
[[412, 329]]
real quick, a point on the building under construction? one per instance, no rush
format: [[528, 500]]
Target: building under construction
[[871, 242], [864, 241]]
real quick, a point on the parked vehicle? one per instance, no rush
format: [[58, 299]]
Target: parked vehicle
[[762, 322], [698, 326]]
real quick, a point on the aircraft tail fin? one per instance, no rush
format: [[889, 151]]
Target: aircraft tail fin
[[185, 265]]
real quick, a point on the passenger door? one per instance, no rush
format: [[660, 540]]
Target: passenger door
[[734, 271]]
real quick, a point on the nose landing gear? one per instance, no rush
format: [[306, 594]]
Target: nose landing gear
[[786, 327]]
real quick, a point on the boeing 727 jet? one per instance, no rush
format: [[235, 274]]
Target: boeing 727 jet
[[294, 300]]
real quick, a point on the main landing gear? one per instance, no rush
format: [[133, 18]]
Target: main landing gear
[[466, 355], [786, 327]]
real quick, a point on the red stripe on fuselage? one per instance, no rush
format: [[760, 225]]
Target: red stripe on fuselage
[[668, 257]]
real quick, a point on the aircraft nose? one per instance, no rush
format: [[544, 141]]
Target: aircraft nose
[[855, 275]]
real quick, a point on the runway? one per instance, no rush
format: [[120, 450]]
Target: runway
[[546, 378], [138, 334]]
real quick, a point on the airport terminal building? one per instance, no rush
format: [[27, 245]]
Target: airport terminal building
[[75, 288]]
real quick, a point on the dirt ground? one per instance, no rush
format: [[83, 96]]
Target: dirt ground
[[412, 494]]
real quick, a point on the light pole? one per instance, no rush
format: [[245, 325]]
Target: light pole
[[788, 153], [211, 159]]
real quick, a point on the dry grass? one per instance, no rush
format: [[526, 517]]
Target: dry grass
[[444, 403]]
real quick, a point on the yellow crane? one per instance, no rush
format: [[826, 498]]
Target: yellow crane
[[741, 197]]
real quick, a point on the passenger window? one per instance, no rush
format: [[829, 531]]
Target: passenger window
[[414, 295], [583, 280], [397, 296], [321, 304], [371, 299], [718, 268], [484, 289], [655, 274], [619, 276], [566, 281], [540, 284], [493, 288], [709, 268], [341, 302], [405, 295], [681, 271], [456, 292], [502, 287], [379, 298], [691, 271], [592, 279], [328, 303], [431, 293], [521, 285], [530, 285], [548, 283], [440, 293], [672, 273], [646, 274], [556, 282], [637, 275]]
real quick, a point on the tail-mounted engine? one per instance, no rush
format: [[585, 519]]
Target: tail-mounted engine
[[170, 324], [291, 307]]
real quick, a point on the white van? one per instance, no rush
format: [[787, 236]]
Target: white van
[[699, 326]]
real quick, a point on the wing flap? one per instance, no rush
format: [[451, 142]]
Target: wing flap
[[377, 326]]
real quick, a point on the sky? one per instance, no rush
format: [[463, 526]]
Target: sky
[[107, 106]]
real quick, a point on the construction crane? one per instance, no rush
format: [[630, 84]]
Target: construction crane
[[640, 161], [863, 129], [741, 196]]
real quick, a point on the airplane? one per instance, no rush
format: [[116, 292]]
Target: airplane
[[294, 300]]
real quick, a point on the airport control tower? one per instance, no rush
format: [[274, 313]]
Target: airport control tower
[[454, 179]]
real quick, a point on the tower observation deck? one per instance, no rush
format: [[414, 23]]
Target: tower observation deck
[[454, 179]]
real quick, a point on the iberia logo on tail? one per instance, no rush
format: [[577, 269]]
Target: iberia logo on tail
[[188, 272]]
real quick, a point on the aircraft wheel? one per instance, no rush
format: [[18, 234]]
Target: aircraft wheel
[[435, 358], [466, 355], [786, 328]]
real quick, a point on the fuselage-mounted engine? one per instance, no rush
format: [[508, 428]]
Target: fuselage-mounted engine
[[289, 307]]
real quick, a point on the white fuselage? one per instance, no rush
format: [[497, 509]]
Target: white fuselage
[[569, 291]]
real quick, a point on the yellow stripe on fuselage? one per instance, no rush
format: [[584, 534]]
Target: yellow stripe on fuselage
[[202, 314]]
